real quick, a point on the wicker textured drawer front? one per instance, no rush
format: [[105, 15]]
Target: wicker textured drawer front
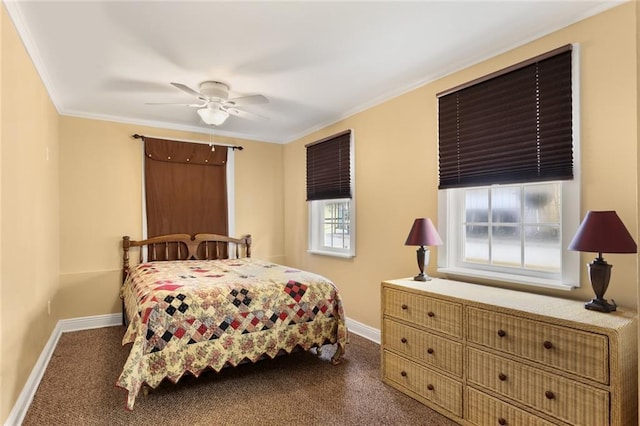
[[427, 348], [565, 399], [430, 385], [573, 351], [445, 317], [482, 409]]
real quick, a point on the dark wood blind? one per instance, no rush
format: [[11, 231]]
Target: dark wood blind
[[329, 168], [513, 127]]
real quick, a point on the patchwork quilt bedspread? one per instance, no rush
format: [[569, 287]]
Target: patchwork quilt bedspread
[[189, 316]]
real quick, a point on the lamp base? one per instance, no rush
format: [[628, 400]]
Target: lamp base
[[423, 257], [599, 275], [601, 305], [422, 277]]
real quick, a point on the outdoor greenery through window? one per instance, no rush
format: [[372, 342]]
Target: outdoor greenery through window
[[330, 227], [337, 224]]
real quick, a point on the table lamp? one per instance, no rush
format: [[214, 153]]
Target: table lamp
[[423, 233], [602, 232]]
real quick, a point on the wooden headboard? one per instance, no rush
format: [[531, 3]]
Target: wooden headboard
[[186, 247]]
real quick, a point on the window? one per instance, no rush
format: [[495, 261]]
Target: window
[[509, 192], [330, 196]]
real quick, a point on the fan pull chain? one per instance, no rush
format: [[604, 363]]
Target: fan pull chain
[[213, 147]]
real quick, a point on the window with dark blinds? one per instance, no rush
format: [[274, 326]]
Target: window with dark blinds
[[329, 168], [513, 126]]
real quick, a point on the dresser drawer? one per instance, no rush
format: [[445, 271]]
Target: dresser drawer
[[482, 409], [445, 317], [427, 348], [574, 351], [436, 388], [565, 399]]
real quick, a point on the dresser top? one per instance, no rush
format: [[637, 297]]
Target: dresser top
[[548, 306]]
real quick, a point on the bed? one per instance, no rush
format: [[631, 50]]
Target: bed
[[197, 303]]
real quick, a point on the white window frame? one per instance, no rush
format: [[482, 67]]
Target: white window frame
[[316, 229], [450, 217], [450, 256], [316, 218]]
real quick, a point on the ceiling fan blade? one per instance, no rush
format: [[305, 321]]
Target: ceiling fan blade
[[188, 90], [247, 100], [171, 103], [245, 114]]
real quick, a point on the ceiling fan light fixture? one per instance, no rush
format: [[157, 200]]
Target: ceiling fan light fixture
[[213, 117], [215, 90]]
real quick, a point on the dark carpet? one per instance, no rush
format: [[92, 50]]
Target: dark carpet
[[78, 388]]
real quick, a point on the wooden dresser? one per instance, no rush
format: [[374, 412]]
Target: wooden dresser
[[487, 356]]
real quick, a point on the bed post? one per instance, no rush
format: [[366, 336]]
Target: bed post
[[247, 239], [126, 243]]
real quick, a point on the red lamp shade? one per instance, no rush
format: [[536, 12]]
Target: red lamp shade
[[423, 233], [603, 232]]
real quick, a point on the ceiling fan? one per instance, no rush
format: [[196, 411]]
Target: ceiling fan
[[215, 106]]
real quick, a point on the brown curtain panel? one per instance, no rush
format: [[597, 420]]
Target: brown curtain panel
[[186, 188]]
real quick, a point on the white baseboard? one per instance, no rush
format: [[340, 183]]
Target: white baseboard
[[363, 330], [16, 416], [85, 323]]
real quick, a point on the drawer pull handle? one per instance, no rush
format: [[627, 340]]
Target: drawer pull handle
[[502, 377], [430, 351], [403, 373], [431, 314], [547, 344], [430, 386], [403, 340], [502, 333], [549, 395], [404, 307], [502, 421]]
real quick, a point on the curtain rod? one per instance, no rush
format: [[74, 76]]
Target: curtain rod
[[234, 147]]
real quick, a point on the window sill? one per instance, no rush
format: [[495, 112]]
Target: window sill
[[507, 278], [331, 253]]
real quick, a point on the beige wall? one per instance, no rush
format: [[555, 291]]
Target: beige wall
[[100, 201], [396, 165], [62, 218], [638, 135], [3, 402], [30, 218]]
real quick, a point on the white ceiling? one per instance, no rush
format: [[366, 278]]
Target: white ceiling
[[316, 61]]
